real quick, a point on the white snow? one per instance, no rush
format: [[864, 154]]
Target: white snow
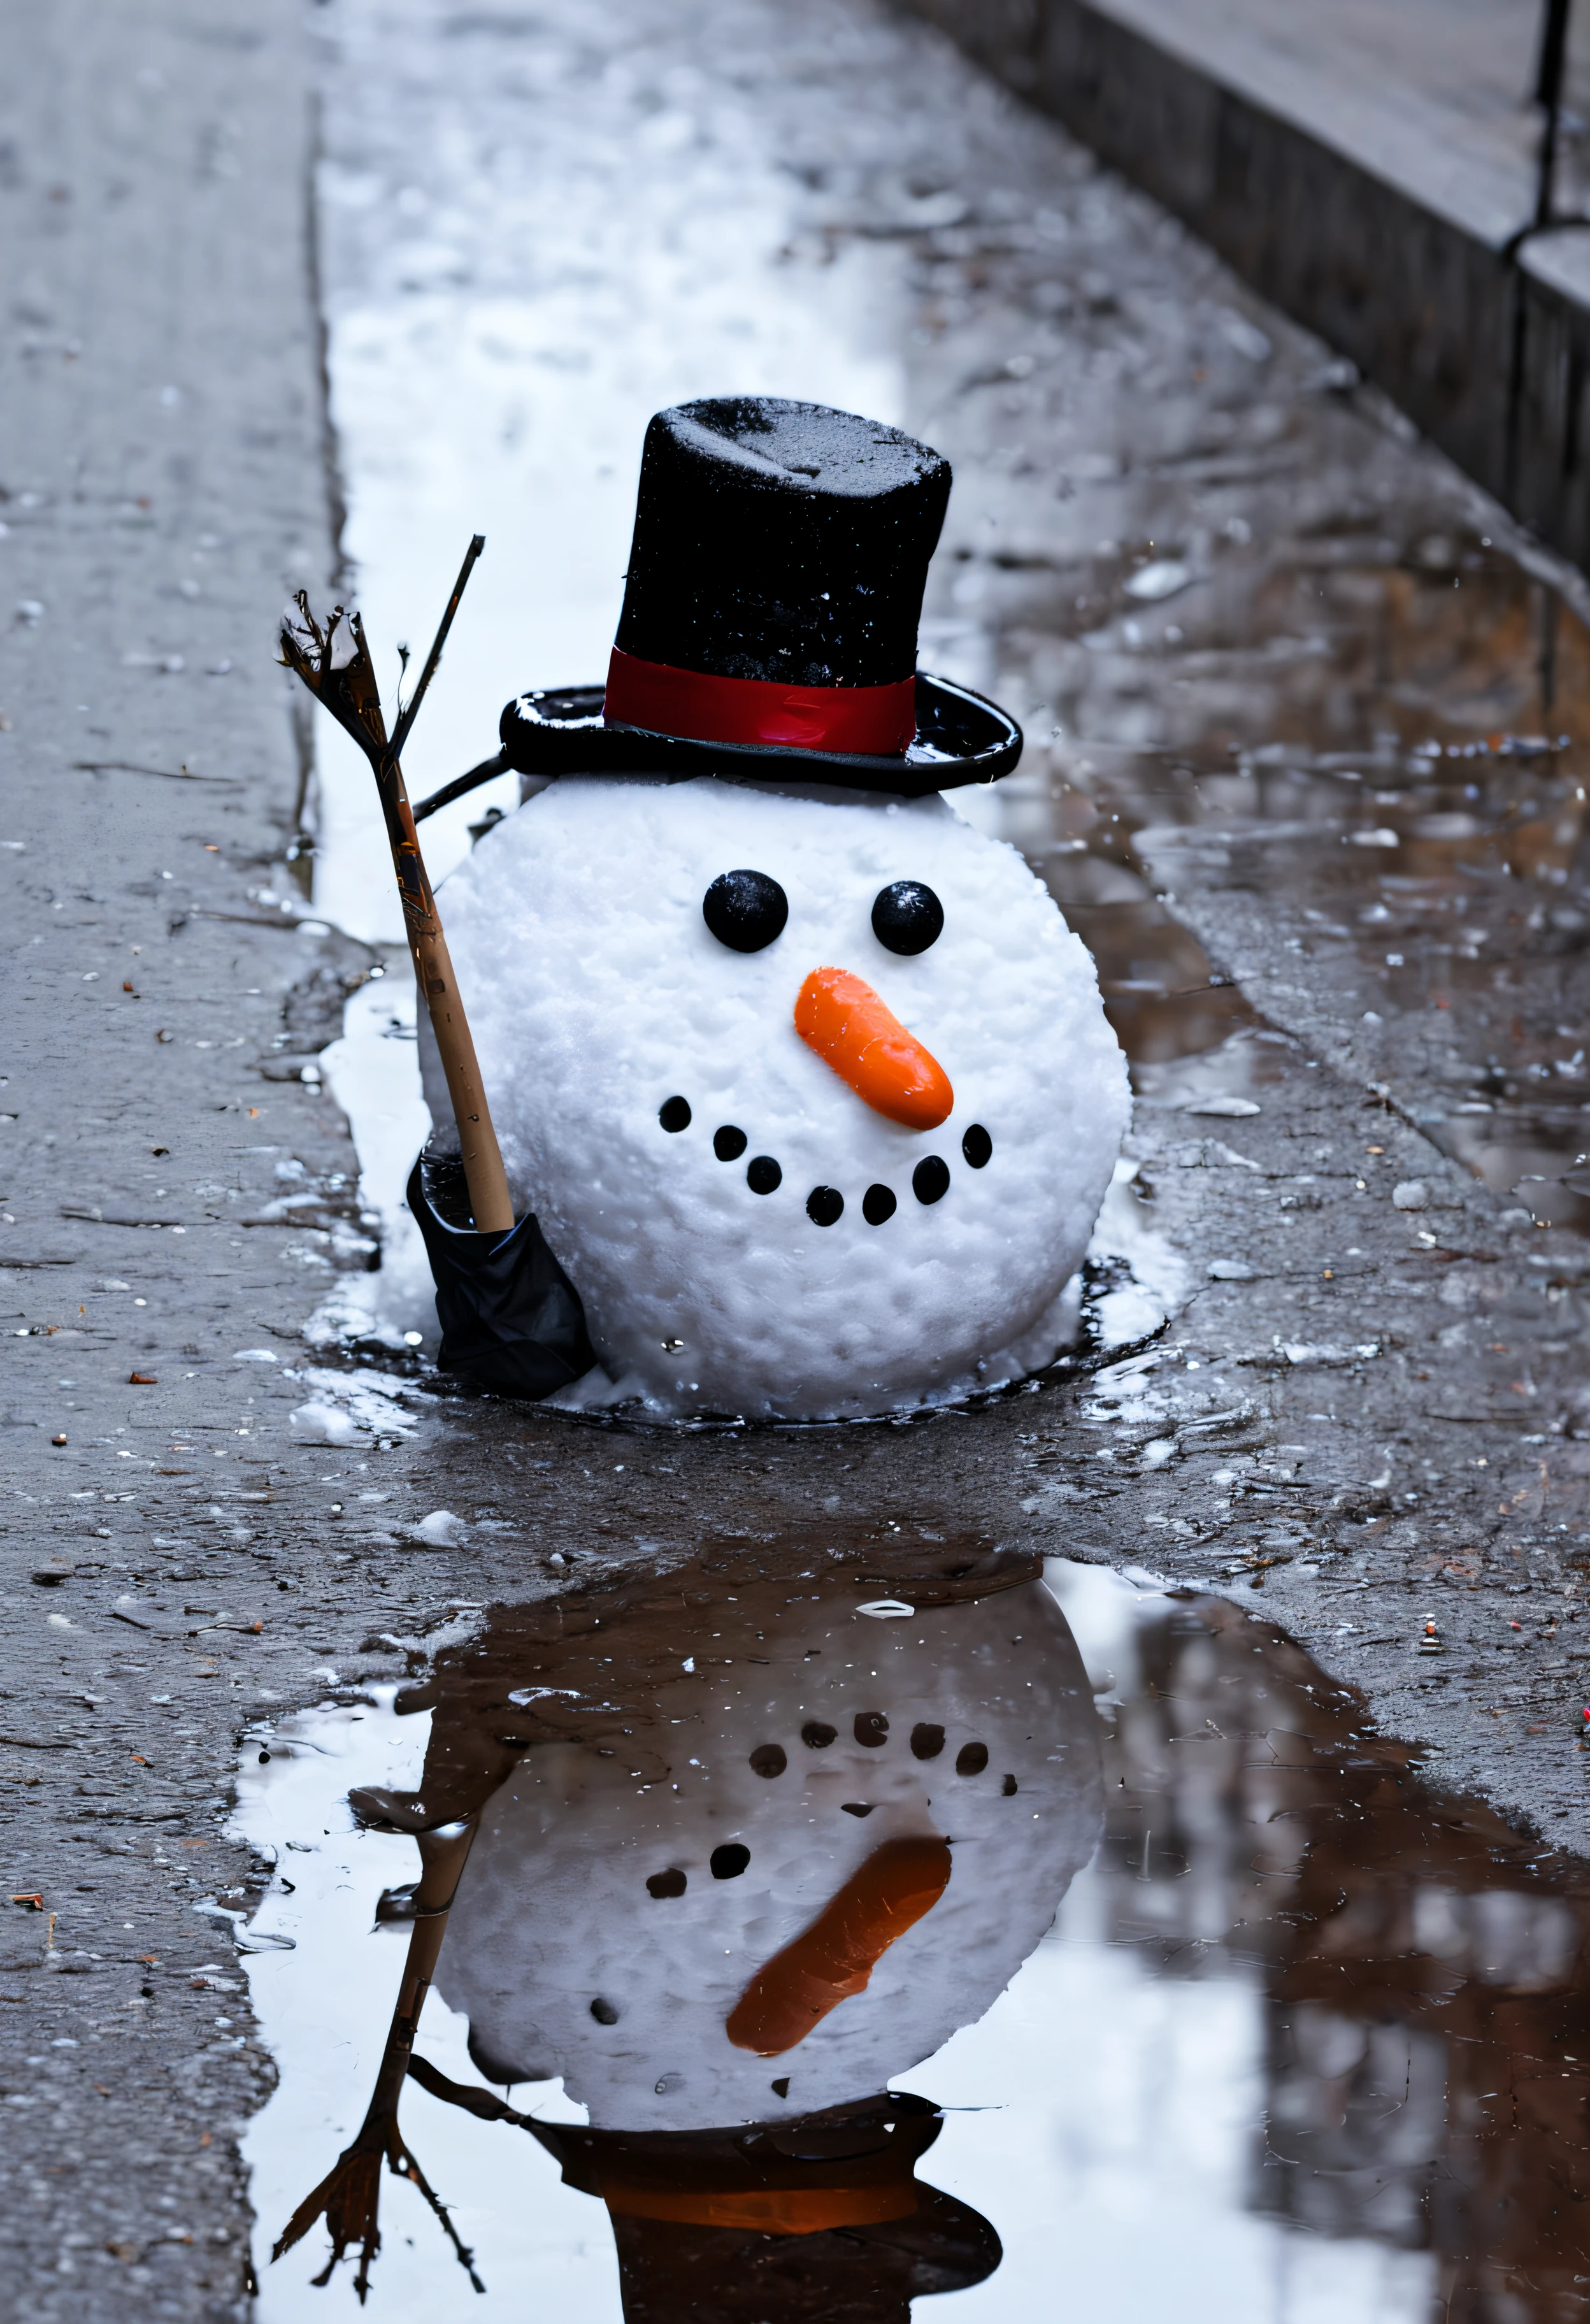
[[596, 992], [349, 1407]]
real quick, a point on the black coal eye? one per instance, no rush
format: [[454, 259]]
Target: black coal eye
[[745, 911], [907, 917]]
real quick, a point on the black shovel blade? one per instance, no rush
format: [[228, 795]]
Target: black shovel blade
[[511, 1321]]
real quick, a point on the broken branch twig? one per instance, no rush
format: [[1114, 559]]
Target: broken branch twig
[[335, 663]]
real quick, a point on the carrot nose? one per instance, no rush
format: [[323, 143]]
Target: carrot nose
[[888, 1068], [836, 1956]]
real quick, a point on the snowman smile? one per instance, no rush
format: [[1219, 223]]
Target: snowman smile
[[930, 1180]]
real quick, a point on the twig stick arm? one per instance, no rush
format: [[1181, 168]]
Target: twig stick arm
[[335, 663], [406, 717]]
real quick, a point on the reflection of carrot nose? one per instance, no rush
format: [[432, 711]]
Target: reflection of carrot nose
[[836, 1956], [888, 1068]]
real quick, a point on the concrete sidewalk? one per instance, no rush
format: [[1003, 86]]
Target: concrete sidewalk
[[1370, 170], [161, 484]]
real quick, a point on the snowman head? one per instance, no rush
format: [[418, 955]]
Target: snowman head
[[814, 1098], [808, 1085]]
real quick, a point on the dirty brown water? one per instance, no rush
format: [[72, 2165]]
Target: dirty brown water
[[1306, 769], [1308, 2039]]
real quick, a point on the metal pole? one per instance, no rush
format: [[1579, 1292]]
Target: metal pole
[[1549, 78]]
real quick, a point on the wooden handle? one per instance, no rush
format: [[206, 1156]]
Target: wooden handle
[[489, 1201]]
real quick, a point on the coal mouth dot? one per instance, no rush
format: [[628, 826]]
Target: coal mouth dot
[[770, 1759], [930, 1180], [977, 1147], [856, 1807], [728, 1861], [878, 1203], [674, 1113], [763, 1175], [670, 1883], [817, 1733], [972, 1759], [729, 1143], [825, 1205]]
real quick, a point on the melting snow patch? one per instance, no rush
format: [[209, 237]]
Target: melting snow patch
[[350, 1408], [1157, 1277]]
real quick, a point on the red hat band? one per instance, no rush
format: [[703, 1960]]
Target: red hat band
[[866, 721]]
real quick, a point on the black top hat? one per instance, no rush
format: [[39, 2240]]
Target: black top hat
[[770, 615]]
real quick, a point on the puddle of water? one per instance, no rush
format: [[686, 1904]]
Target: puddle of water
[[1220, 2011], [372, 1072]]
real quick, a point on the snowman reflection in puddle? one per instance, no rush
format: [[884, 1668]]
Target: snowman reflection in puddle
[[806, 1081], [769, 1857]]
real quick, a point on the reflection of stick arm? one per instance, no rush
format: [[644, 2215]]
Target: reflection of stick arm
[[349, 2196]]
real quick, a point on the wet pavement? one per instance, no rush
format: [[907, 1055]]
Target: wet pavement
[[1306, 750]]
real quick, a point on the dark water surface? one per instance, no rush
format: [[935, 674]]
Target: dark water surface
[[1306, 2039]]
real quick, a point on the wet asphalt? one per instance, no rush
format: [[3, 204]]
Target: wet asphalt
[[1362, 1422]]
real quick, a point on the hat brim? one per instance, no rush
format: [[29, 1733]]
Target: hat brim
[[960, 738]]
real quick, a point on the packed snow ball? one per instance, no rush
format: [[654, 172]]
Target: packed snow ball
[[748, 1231]]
